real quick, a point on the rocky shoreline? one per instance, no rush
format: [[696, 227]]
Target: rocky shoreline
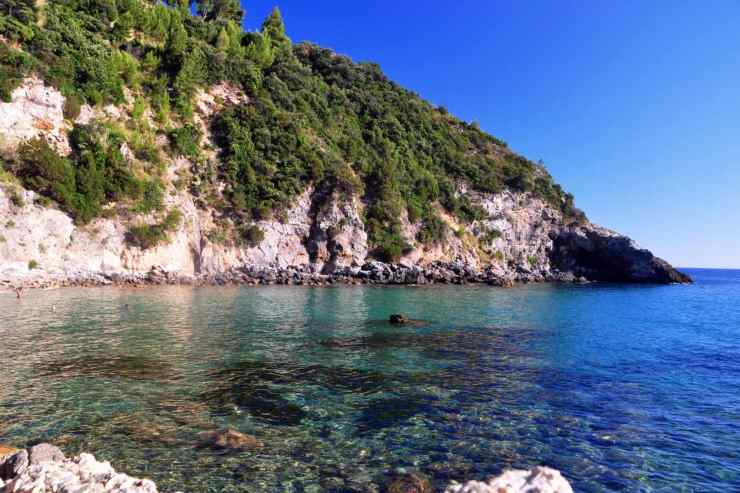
[[372, 273], [44, 468]]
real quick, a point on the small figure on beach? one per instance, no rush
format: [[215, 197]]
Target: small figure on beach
[[18, 291]]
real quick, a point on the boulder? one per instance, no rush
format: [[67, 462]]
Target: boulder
[[44, 452], [398, 319], [539, 479]]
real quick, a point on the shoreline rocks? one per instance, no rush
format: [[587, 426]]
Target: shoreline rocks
[[44, 468], [370, 273]]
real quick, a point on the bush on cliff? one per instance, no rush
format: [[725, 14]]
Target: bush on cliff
[[147, 236], [94, 175]]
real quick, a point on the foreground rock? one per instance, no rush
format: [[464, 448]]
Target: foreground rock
[[537, 480], [44, 468]]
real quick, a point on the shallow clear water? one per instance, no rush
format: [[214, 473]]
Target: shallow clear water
[[622, 388]]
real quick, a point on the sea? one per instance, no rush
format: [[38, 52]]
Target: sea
[[631, 388]]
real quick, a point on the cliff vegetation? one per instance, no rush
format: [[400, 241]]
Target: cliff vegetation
[[311, 117]]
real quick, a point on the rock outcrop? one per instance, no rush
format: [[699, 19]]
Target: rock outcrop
[[537, 480], [320, 239], [48, 470]]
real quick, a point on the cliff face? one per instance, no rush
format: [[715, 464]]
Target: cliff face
[[521, 237]]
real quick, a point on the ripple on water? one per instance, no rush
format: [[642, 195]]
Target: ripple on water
[[622, 388]]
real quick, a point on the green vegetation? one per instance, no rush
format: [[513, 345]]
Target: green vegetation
[[16, 199], [253, 235], [314, 117], [33, 265], [490, 235], [186, 141], [95, 174], [150, 235]]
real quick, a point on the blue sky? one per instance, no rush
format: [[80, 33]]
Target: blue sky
[[634, 106]]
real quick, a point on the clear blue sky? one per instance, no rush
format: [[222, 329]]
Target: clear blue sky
[[633, 105]]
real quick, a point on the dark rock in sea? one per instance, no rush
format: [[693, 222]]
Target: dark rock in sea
[[229, 440], [599, 254], [398, 319], [44, 452], [12, 462], [409, 483], [244, 385]]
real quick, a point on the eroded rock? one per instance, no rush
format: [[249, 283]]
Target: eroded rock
[[539, 480]]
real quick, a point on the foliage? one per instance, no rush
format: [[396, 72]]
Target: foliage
[[253, 235], [94, 175], [147, 236], [314, 117], [186, 140], [72, 107], [32, 264], [433, 229], [490, 235], [16, 199]]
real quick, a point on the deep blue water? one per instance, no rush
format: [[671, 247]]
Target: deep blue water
[[622, 388]]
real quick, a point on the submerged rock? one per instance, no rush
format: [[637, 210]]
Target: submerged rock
[[229, 440], [409, 483], [398, 319], [539, 479]]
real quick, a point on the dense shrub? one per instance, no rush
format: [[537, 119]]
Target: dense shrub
[[253, 235], [95, 174], [186, 140], [433, 229], [147, 236]]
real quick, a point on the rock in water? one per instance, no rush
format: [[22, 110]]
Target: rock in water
[[12, 462], [229, 440], [539, 480], [44, 452], [398, 319], [409, 483]]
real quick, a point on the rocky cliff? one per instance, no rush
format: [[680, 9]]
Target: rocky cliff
[[321, 237]]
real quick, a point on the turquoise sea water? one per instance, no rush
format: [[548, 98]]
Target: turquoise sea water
[[622, 388]]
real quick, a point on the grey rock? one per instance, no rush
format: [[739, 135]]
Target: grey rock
[[44, 452], [537, 480]]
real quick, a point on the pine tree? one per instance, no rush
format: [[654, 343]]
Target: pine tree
[[274, 28], [225, 10]]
